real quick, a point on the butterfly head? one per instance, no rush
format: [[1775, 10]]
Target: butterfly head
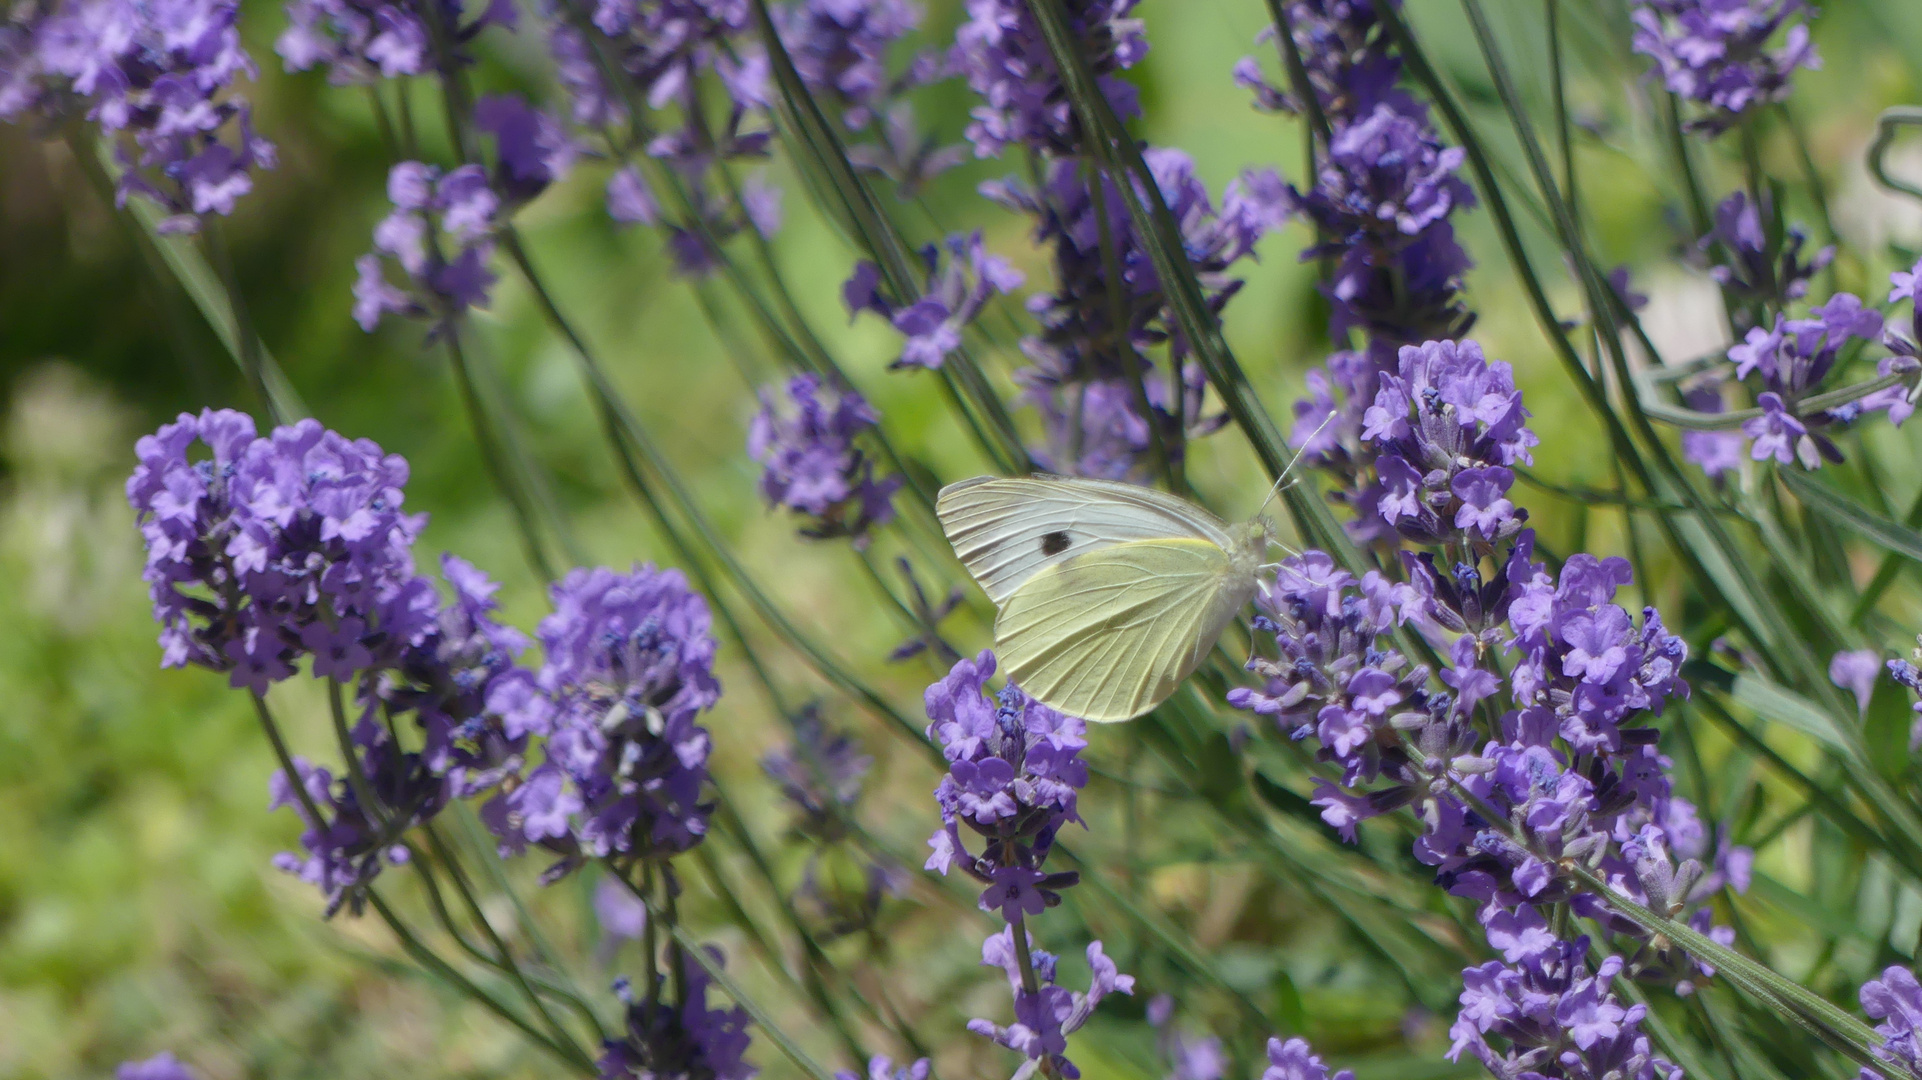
[[1251, 539]]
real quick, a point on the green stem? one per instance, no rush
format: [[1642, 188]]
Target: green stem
[[491, 454]]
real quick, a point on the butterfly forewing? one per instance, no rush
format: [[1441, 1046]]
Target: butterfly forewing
[[1007, 530], [1107, 635]]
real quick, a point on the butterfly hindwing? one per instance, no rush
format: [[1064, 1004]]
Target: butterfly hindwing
[[1006, 530], [1108, 634]]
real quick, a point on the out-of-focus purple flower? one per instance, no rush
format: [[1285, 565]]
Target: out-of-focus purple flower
[[620, 913], [362, 41], [533, 150], [157, 79], [1295, 1060], [962, 276], [1895, 999], [440, 235], [821, 773], [840, 49], [1715, 52], [810, 463], [1754, 271], [663, 1039], [1189, 1057], [1085, 368], [630, 666], [162, 1066], [1855, 671], [882, 1067], [1001, 52], [347, 847]]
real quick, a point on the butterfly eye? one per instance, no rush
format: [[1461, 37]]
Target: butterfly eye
[[1054, 543]]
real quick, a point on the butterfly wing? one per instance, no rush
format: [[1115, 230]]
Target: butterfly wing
[[1005, 530], [1108, 634]]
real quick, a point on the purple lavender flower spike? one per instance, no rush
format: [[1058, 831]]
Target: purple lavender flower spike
[[1084, 368], [162, 1066], [1751, 273], [1910, 676], [158, 81], [1715, 52], [659, 1039], [1552, 1009], [1044, 1019], [1895, 999], [533, 149], [840, 49], [821, 775], [1014, 771], [630, 666], [1189, 1057], [962, 277], [1001, 52], [440, 235], [811, 465]]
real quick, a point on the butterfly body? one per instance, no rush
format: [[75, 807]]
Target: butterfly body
[[1109, 595]]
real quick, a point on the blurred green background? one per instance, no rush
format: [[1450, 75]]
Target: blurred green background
[[138, 909]]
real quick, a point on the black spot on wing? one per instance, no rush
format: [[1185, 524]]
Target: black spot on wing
[[1054, 543]]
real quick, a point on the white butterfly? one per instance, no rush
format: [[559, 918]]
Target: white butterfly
[[1109, 594]]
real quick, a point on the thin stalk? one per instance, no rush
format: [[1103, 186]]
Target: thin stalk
[[506, 962], [432, 961], [491, 454]]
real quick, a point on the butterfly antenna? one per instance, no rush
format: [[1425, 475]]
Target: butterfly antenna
[[1286, 480]]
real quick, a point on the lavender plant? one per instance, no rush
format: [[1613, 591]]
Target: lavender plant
[[1544, 780]]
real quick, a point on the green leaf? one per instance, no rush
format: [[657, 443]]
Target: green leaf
[[1772, 702], [1885, 730], [1851, 515]]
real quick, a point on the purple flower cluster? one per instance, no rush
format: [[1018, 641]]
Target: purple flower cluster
[[1001, 52], [532, 148], [1294, 1060], [1047, 1015], [362, 41], [1788, 362], [1755, 272], [664, 57], [840, 49], [268, 551], [158, 80], [1014, 773], [1715, 52], [629, 667], [1384, 193], [1014, 769], [1896, 1000], [1381, 205], [1189, 1057], [810, 463], [1516, 768], [661, 1039], [441, 236], [1552, 1017], [962, 277], [1088, 375], [1445, 429]]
